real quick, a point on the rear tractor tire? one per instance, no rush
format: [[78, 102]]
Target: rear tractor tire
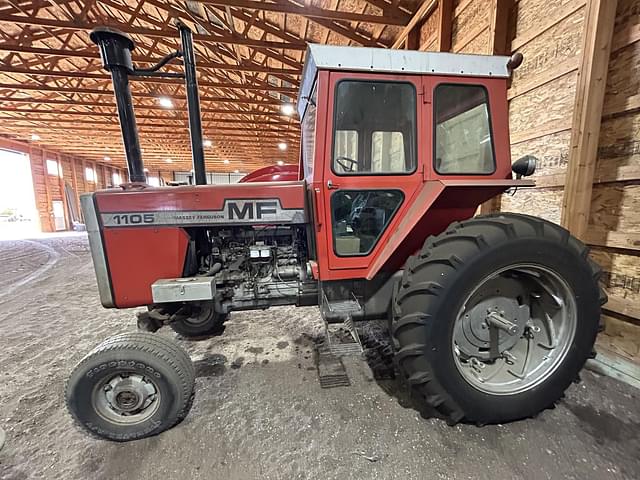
[[494, 318], [131, 386]]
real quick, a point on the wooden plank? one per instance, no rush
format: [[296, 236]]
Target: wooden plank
[[426, 8], [461, 45], [613, 365], [308, 11], [587, 114], [65, 205], [74, 183], [548, 128], [445, 24], [623, 335], [604, 174], [500, 13], [543, 78], [628, 36], [621, 105], [47, 189], [623, 306], [613, 239], [537, 30]]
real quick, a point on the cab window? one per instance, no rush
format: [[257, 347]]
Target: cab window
[[309, 134], [463, 140], [360, 217], [374, 128]]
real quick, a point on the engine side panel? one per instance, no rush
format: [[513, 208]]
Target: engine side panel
[[246, 203], [137, 257]]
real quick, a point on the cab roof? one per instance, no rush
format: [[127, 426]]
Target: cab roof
[[403, 62]]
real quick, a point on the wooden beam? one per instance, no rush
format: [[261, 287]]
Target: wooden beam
[[141, 106], [307, 11], [426, 8], [587, 114], [412, 42], [136, 94], [148, 32], [500, 13], [90, 54], [445, 25]]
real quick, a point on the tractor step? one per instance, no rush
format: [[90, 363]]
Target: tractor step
[[342, 339], [331, 371], [344, 307]]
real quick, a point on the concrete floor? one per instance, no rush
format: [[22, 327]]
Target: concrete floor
[[259, 411]]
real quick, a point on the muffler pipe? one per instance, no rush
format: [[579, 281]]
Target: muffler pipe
[[115, 52], [193, 104]]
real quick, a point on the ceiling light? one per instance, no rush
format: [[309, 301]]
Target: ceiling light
[[236, 171], [35, 137], [280, 162], [146, 170], [226, 162], [287, 109], [165, 102], [168, 160], [207, 143], [282, 146], [107, 158]]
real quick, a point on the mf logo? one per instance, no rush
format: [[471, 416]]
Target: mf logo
[[251, 209]]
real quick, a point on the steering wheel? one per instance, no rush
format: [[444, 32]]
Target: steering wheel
[[346, 163]]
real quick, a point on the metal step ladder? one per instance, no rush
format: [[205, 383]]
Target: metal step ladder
[[338, 342], [341, 339]]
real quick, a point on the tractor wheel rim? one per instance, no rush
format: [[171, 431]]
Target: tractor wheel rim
[[536, 309], [203, 316], [126, 398]]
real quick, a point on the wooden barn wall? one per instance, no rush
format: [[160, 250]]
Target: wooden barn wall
[[614, 222], [541, 98], [49, 188]]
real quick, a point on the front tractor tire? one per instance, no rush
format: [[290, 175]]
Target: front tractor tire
[[201, 320], [131, 386], [494, 318]]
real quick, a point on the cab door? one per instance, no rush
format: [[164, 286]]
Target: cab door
[[373, 164]]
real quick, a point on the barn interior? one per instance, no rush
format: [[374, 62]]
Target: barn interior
[[574, 103]]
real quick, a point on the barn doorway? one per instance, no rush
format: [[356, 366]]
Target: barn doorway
[[18, 213]]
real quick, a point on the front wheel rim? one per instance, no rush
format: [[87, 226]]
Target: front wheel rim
[[126, 398], [515, 329]]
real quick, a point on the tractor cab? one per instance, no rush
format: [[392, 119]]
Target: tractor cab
[[393, 139]]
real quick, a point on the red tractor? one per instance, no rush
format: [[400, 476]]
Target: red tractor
[[491, 317]]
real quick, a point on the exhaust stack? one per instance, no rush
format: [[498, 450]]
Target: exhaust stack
[[115, 51]]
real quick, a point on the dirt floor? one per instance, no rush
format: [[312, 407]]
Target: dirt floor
[[259, 410]]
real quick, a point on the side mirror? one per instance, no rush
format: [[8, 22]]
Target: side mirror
[[524, 166]]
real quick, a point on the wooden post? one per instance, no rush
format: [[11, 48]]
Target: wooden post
[[445, 24], [52, 227], [74, 183], [587, 114], [499, 44], [413, 39], [499, 41], [83, 176], [67, 217]]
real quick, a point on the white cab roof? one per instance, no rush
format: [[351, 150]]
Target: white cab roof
[[383, 60]]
